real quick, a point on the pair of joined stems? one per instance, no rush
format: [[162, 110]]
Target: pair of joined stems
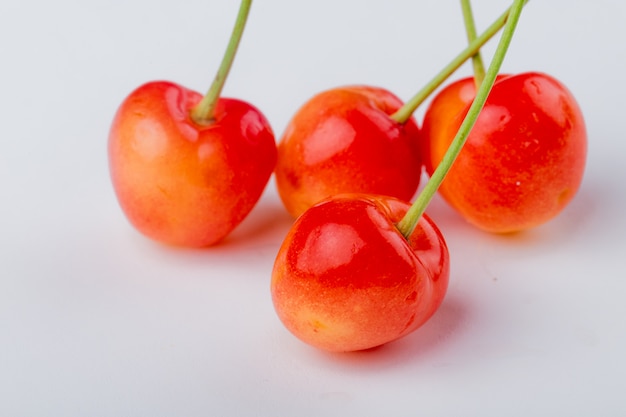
[[407, 225]]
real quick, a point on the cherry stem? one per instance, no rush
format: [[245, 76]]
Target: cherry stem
[[204, 112], [470, 29], [404, 113], [407, 225]]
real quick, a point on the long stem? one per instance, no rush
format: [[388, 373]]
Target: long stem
[[404, 113], [203, 113], [470, 29], [410, 220]]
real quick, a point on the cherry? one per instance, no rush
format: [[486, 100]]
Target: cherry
[[346, 279], [525, 158], [356, 271], [344, 140], [357, 139], [188, 169]]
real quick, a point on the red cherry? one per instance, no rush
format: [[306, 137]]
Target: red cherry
[[184, 183], [524, 159], [346, 279], [344, 140]]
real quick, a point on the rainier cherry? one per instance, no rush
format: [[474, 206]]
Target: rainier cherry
[[343, 140], [357, 271], [347, 279], [188, 169], [524, 159]]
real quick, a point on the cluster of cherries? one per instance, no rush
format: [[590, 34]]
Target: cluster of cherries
[[361, 266]]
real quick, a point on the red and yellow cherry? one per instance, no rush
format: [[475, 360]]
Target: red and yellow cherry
[[343, 140], [184, 183], [346, 279], [186, 168], [524, 159]]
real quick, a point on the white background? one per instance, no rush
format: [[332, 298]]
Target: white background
[[95, 320]]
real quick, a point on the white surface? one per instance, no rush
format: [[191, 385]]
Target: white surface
[[97, 321]]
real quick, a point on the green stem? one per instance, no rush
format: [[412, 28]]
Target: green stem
[[470, 29], [410, 220], [404, 113], [203, 113]]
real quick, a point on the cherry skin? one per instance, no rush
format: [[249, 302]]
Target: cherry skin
[[183, 183], [343, 140], [346, 279], [524, 159]]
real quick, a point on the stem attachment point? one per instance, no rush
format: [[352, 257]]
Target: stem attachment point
[[204, 112]]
